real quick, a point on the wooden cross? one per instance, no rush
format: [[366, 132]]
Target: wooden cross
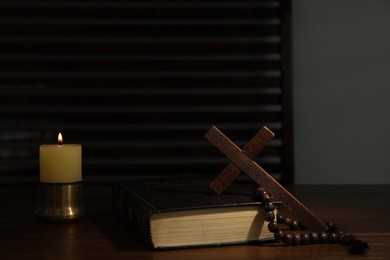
[[251, 149], [242, 161]]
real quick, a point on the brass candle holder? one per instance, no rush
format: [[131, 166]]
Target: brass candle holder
[[60, 202]]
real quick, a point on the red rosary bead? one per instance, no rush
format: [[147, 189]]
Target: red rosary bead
[[269, 206], [279, 235], [288, 221], [273, 227], [306, 238], [269, 216], [314, 237], [266, 197], [294, 225], [288, 239], [323, 237], [333, 238], [280, 219], [297, 239]]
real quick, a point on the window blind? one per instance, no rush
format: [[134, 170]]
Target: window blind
[[138, 83]]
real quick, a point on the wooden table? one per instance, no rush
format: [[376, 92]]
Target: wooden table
[[362, 210]]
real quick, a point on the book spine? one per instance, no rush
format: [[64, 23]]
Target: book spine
[[132, 211]]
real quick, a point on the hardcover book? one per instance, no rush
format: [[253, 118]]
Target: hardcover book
[[186, 213]]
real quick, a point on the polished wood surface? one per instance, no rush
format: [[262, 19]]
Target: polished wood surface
[[362, 210]]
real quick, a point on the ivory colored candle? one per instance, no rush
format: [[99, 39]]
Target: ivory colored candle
[[60, 163]]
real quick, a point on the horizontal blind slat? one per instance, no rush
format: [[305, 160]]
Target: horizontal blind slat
[[138, 83], [128, 47]]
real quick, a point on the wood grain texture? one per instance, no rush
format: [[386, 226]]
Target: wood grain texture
[[252, 149]]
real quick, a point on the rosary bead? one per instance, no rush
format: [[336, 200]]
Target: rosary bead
[[259, 190], [358, 247], [335, 228], [266, 197], [288, 239], [269, 206], [339, 230], [294, 225], [288, 221], [314, 237], [297, 239], [330, 226], [280, 219], [273, 227], [269, 216], [279, 235], [306, 238], [323, 237], [333, 238]]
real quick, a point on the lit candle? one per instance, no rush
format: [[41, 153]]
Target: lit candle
[[60, 163]]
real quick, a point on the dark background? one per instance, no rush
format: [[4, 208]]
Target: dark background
[[138, 83]]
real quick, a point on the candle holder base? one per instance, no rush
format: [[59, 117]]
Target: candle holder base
[[60, 202]]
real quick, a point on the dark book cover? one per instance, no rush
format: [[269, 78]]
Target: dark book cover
[[135, 201]]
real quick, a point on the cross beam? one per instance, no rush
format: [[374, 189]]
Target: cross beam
[[251, 149], [262, 178]]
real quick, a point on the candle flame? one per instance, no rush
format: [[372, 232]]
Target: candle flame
[[60, 140]]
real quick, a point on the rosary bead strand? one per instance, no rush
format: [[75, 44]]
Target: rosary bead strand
[[335, 233]]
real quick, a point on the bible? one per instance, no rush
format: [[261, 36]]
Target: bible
[[175, 213]]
